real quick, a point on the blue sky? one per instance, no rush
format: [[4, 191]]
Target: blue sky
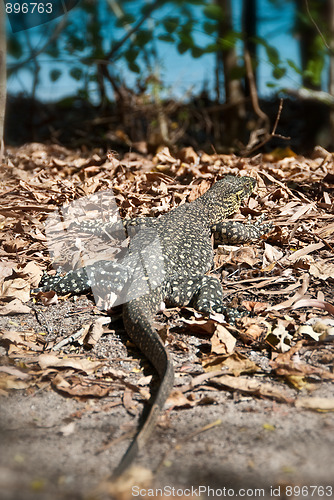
[[181, 73]]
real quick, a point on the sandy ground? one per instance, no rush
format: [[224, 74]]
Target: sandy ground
[[53, 446]]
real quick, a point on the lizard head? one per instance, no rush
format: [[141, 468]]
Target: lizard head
[[225, 196]]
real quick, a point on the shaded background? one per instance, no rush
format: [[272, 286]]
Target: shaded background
[[140, 75]]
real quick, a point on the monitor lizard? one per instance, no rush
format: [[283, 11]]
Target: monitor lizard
[[166, 265]]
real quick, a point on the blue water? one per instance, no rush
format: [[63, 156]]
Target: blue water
[[181, 74]]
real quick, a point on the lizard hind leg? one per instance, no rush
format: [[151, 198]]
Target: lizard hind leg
[[210, 298]]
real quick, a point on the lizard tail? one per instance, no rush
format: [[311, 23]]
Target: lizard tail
[[138, 326]]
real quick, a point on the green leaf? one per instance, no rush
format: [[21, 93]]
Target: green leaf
[[125, 20], [76, 73], [294, 66], [213, 12], [134, 67], [187, 40], [229, 40], [171, 24], [54, 75], [212, 47], [314, 70], [182, 48], [131, 55], [279, 72], [143, 37], [272, 52], [15, 47], [197, 52], [210, 28], [166, 38]]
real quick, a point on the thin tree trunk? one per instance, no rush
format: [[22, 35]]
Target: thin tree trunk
[[308, 34], [249, 28], [2, 75], [331, 62], [228, 60]]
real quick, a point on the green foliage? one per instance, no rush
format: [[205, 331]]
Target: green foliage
[[130, 35], [76, 73], [55, 75], [125, 20], [166, 38], [171, 24], [14, 47], [143, 37], [314, 70], [294, 66], [210, 28], [214, 12]]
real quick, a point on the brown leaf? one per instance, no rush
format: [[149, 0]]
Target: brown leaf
[[315, 403], [253, 330], [47, 298], [177, 399], [252, 386], [188, 155], [15, 372], [255, 307], [14, 307], [50, 360], [31, 271], [95, 332], [315, 303], [201, 326], [8, 382], [322, 269], [222, 342], [126, 486], [17, 288], [78, 389], [235, 363]]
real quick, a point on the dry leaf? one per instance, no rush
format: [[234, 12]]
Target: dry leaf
[[95, 332], [188, 155], [17, 288], [315, 303], [50, 360], [126, 486], [222, 342], [177, 399], [77, 389], [322, 270], [11, 370], [9, 382], [235, 363], [14, 307], [308, 330], [252, 386], [47, 298], [315, 403], [271, 255]]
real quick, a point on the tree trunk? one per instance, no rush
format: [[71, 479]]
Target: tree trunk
[[331, 64], [227, 62], [308, 35], [249, 28], [2, 75]]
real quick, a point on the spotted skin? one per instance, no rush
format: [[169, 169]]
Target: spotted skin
[[178, 264]]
